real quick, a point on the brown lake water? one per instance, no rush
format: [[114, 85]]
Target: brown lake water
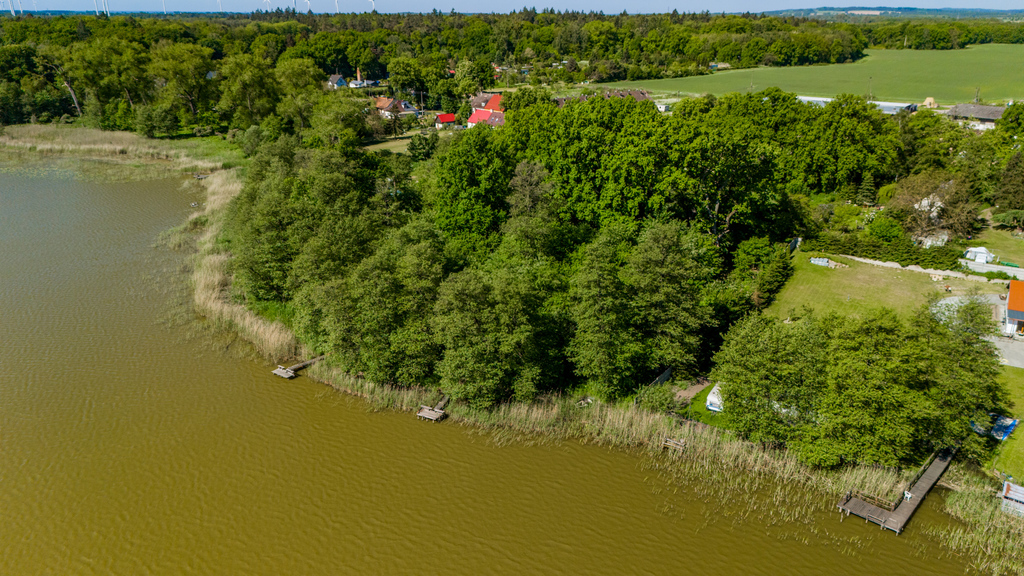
[[127, 447]]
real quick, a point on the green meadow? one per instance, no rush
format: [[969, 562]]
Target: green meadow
[[1010, 459], [861, 287], [949, 76]]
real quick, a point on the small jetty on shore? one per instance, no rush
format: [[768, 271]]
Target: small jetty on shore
[[290, 371], [673, 444], [435, 414], [895, 516]]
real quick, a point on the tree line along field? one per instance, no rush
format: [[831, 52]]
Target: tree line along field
[[948, 76]]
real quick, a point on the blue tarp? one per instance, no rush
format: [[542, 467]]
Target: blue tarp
[[1003, 427]]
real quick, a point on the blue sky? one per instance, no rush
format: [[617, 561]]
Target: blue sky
[[608, 6]]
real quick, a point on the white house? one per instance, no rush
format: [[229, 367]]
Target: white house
[[980, 255]]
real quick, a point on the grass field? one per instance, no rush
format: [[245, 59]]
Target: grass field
[[396, 144], [862, 287], [1010, 459], [949, 76], [699, 411], [1001, 243]]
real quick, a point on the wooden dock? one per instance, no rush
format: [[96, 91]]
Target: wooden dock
[[290, 371], [673, 444], [435, 414], [896, 517]]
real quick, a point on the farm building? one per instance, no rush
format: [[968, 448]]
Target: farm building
[[980, 255], [1013, 499], [714, 401], [977, 116], [1015, 308], [814, 100], [893, 108], [890, 108]]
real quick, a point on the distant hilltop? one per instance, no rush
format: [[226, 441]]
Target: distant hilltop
[[898, 12]]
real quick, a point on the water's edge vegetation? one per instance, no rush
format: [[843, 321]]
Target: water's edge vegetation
[[715, 462]]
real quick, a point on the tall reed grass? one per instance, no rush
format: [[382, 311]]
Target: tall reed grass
[[211, 278], [54, 139], [993, 539]]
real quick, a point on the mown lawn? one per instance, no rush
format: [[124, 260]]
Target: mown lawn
[[862, 287], [1001, 243], [1010, 458], [949, 76], [698, 411], [396, 144]]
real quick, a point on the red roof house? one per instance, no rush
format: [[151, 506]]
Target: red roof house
[[444, 120], [478, 117], [494, 104], [1015, 306]]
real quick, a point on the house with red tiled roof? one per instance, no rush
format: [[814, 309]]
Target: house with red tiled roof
[[444, 120], [488, 117], [486, 101], [391, 107], [477, 117], [1015, 308]]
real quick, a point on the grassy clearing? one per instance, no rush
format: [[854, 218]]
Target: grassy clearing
[[1002, 243], [861, 287], [698, 410], [896, 75], [1010, 458]]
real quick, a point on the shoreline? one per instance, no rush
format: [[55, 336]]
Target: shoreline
[[714, 461]]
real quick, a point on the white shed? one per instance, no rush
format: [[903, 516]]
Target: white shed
[[980, 255], [714, 401]]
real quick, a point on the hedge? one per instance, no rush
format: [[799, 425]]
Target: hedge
[[901, 250]]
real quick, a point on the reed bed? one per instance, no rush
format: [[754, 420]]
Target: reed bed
[[211, 278], [54, 139], [993, 539]]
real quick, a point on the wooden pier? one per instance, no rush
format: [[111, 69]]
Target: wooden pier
[[290, 371], [896, 516], [673, 444], [435, 414]]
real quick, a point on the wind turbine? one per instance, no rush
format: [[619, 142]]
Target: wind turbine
[[94, 3], [268, 5], [373, 7], [21, 8], [219, 7], [336, 9], [307, 5], [165, 6]]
